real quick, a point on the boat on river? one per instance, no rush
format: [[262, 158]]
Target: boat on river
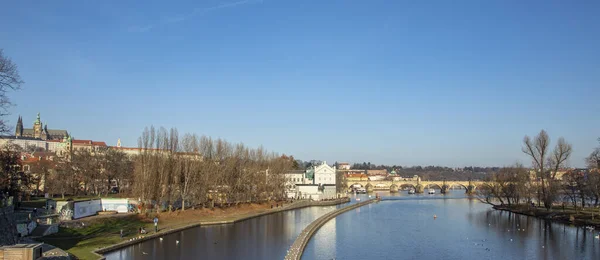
[[361, 190], [431, 191], [411, 191]]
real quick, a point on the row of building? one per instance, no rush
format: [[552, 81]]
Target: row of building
[[319, 181], [57, 141]]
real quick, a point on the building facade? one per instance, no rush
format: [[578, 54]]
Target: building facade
[[38, 131], [343, 166], [317, 182]]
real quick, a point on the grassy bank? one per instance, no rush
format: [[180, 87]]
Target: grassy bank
[[81, 237], [567, 215]]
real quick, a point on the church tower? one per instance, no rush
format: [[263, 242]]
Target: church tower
[[45, 136], [37, 127], [19, 129]]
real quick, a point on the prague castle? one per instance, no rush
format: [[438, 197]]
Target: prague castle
[[39, 131], [52, 140]]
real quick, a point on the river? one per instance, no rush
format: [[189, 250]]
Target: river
[[400, 228], [266, 237]]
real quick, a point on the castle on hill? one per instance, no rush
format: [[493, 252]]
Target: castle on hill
[[38, 131]]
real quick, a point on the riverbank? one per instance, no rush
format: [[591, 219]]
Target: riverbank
[[568, 215], [297, 248], [92, 237]]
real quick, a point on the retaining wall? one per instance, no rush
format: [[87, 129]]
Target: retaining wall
[[296, 250]]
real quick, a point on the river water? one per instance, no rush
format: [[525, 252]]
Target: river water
[[266, 237], [400, 228]]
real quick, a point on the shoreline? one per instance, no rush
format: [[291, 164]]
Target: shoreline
[[297, 205], [580, 218]]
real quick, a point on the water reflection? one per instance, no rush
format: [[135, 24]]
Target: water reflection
[[266, 237], [464, 229]]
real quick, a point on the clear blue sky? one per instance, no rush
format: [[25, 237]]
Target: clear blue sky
[[397, 82]]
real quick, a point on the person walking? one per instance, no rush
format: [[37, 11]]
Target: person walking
[[155, 224]]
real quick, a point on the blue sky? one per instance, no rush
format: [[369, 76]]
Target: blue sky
[[397, 82]]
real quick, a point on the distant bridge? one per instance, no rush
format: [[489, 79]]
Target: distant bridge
[[419, 186]]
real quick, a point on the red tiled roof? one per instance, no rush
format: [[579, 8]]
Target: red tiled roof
[[89, 142], [132, 148], [82, 141], [30, 160], [356, 175]]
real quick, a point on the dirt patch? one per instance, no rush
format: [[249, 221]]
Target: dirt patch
[[176, 218]]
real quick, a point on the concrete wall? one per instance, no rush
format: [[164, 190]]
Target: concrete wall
[[329, 192], [86, 208], [24, 229], [119, 205]]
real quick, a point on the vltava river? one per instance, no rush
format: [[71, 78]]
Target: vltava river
[[464, 229], [403, 228]]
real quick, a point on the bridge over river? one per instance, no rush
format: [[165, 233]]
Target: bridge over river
[[418, 185]]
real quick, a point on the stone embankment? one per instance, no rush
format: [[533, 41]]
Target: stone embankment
[[296, 250], [295, 205]]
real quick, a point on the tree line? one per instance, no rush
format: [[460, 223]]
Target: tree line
[[198, 170], [548, 181], [169, 171]]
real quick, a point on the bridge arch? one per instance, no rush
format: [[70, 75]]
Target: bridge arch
[[406, 185], [453, 185], [356, 185], [434, 186]]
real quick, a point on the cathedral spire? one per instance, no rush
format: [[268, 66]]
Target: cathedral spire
[[19, 127]]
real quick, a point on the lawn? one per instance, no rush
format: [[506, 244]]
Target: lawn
[[95, 234]]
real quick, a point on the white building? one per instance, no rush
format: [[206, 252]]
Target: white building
[[344, 166], [296, 177], [324, 174], [317, 183], [316, 192]]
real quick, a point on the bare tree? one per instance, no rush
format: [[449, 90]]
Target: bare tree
[[64, 179], [117, 168], [593, 161], [40, 169], [10, 175], [10, 80], [546, 165]]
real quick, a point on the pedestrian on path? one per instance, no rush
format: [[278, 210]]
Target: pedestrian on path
[[155, 224]]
